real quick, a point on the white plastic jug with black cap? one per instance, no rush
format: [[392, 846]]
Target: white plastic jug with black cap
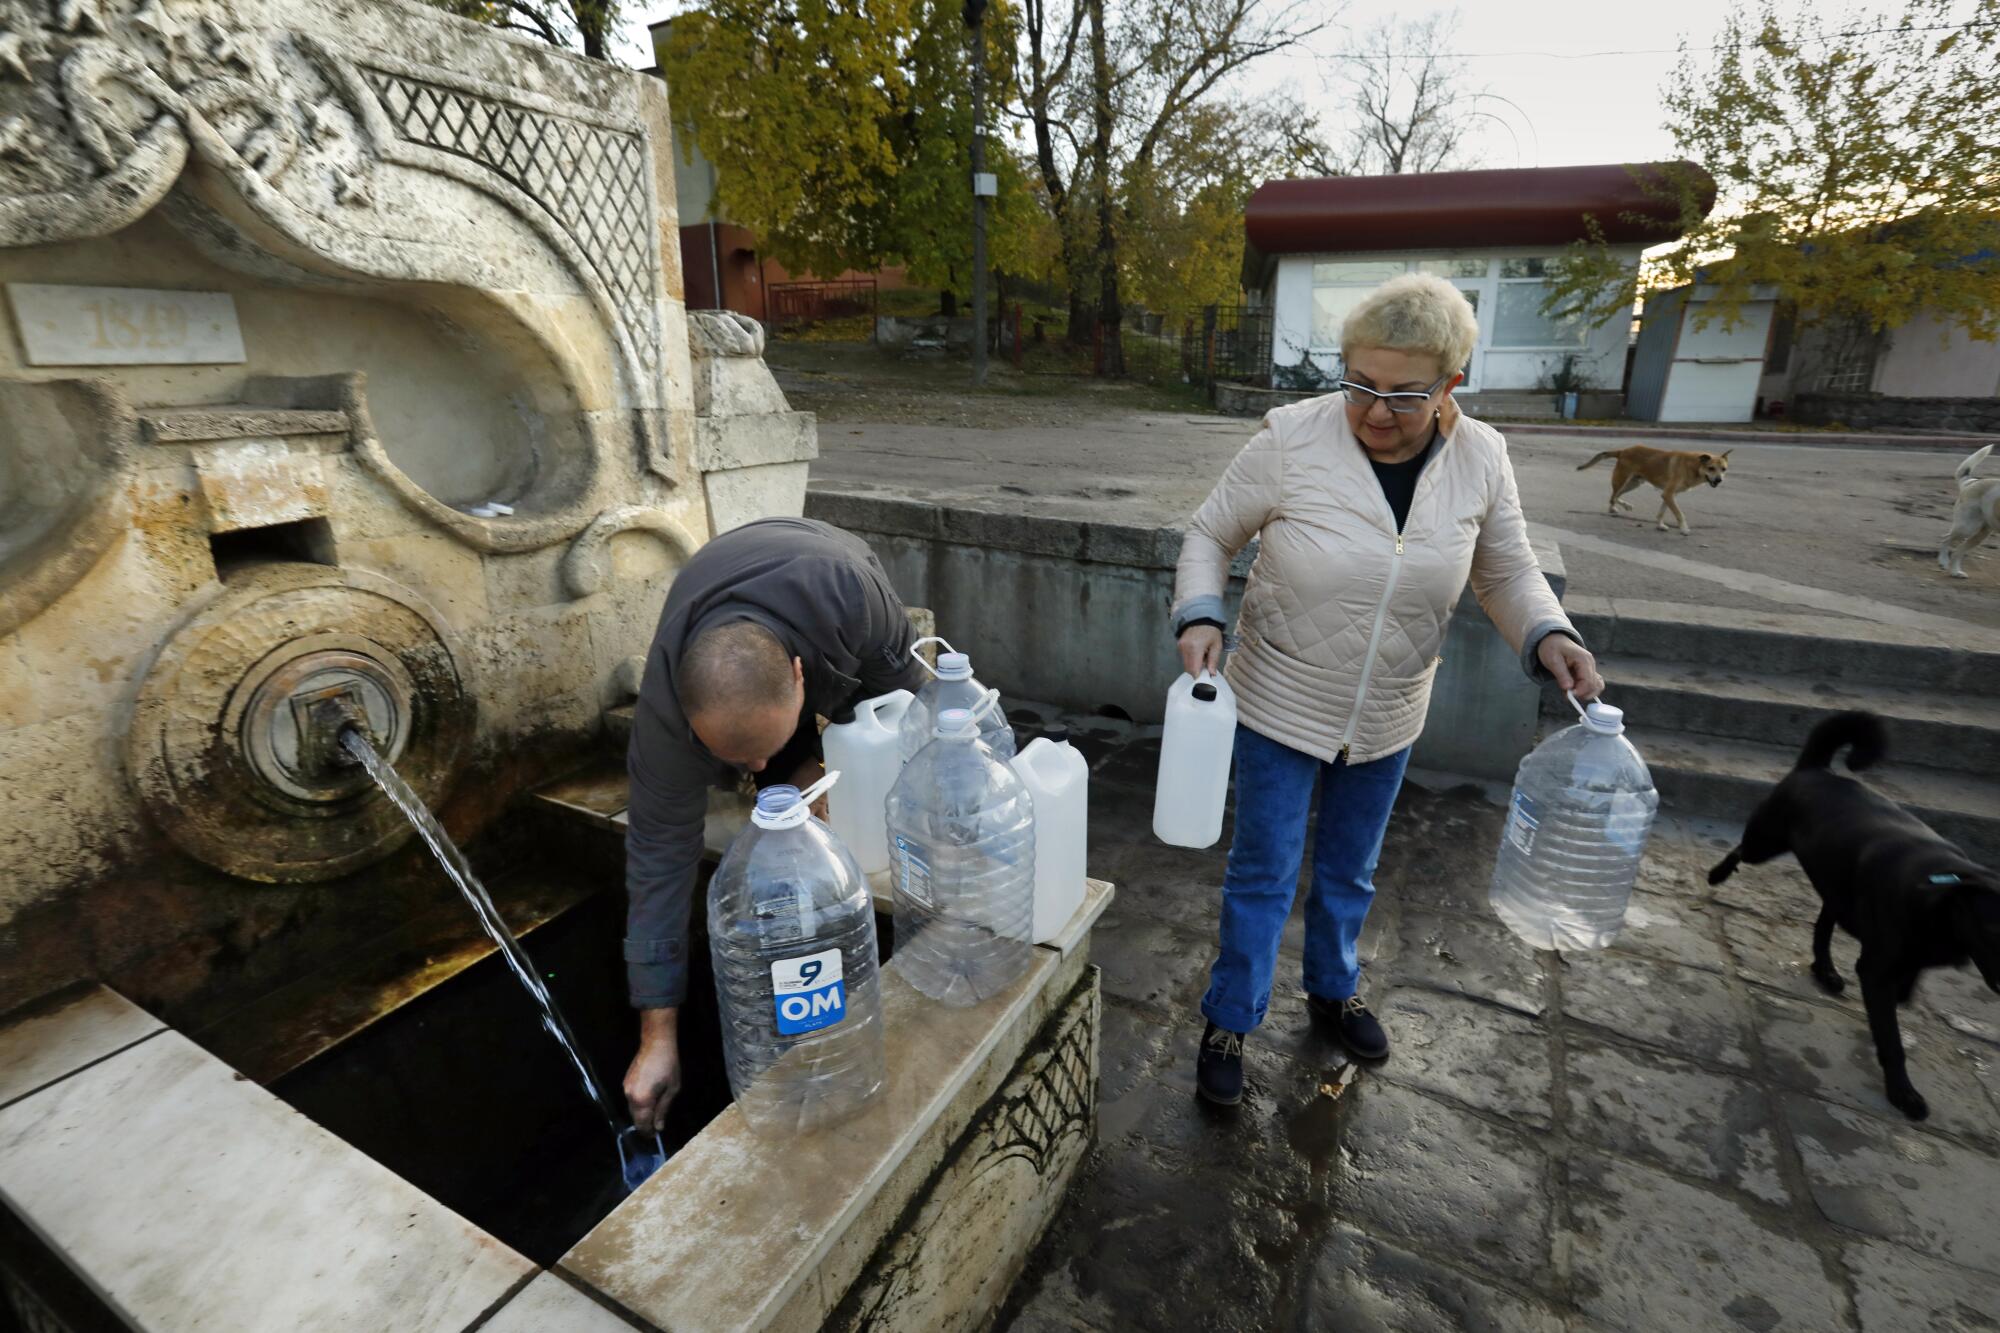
[[1196, 746], [952, 686], [1057, 776], [864, 743], [1576, 830]]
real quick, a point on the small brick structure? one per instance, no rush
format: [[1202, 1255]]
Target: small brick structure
[[1874, 411]]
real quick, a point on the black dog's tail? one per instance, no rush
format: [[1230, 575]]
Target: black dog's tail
[[1863, 731]]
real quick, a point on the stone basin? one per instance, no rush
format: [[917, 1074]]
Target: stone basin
[[434, 1162]]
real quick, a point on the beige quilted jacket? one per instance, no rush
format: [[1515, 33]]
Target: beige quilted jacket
[[1343, 620]]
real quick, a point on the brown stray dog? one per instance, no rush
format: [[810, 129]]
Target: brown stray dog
[[1670, 470]]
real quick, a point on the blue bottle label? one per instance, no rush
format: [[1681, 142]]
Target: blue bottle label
[[808, 993], [913, 873], [1522, 824]]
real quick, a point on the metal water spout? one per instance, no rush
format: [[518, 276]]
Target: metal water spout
[[291, 731]]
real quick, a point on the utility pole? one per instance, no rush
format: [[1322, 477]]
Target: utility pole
[[983, 185]]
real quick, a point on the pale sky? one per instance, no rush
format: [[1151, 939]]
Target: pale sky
[[1583, 76]]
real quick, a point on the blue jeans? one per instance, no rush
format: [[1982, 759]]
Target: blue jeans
[[1274, 787]]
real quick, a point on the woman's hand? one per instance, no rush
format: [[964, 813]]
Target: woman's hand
[[1201, 648], [1571, 664]]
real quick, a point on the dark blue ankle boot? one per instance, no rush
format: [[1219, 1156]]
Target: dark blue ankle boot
[[1218, 1070]]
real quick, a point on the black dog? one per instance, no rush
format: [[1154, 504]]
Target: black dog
[[1911, 898]]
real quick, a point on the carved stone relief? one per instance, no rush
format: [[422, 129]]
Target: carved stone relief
[[585, 563], [101, 109]]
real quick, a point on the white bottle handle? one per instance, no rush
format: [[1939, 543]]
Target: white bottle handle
[[917, 647], [799, 811], [1582, 710], [985, 704]]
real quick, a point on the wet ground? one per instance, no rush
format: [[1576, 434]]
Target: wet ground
[[1681, 1132]]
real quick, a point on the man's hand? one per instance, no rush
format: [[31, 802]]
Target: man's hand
[[1571, 664], [1201, 648], [655, 1075]]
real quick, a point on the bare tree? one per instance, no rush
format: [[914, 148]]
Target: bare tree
[[1409, 108], [1175, 53], [1125, 74], [1045, 89], [1172, 55]]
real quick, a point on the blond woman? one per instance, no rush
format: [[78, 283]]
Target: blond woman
[[1374, 505]]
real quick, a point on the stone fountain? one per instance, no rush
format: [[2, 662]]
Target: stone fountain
[[345, 375]]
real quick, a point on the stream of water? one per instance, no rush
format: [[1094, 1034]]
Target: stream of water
[[639, 1152]]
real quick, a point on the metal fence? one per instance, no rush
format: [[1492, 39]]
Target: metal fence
[[1192, 347], [794, 306]]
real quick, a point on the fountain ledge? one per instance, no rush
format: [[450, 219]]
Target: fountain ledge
[[918, 1213], [147, 1181]]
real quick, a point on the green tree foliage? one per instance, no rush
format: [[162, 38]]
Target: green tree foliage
[[1182, 242], [840, 131], [1858, 168], [797, 108], [929, 227]]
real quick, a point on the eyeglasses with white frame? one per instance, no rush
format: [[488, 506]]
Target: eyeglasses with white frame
[[1400, 402]]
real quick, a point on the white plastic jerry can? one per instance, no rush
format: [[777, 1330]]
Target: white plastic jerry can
[[1195, 750], [863, 744], [1058, 777]]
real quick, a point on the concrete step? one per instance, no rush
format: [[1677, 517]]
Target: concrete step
[[1818, 648], [1927, 728], [1725, 779]]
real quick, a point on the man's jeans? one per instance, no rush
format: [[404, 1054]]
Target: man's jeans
[[1274, 787]]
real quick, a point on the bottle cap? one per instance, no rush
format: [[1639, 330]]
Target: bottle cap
[[785, 806], [842, 715], [1603, 719], [1056, 735], [1205, 692], [954, 666], [954, 722]]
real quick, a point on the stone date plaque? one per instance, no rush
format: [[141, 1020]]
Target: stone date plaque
[[124, 326]]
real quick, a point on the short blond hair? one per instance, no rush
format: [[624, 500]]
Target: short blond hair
[[1419, 313]]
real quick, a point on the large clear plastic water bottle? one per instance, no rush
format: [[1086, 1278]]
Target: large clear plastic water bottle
[[952, 686], [962, 866], [791, 930], [1576, 829]]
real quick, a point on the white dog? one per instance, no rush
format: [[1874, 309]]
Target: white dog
[[1975, 518]]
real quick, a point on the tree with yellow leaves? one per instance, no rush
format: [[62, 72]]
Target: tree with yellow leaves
[[840, 132], [1857, 170]]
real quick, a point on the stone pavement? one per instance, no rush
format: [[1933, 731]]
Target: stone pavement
[[1679, 1133]]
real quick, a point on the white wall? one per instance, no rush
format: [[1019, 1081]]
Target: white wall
[[1930, 357], [1601, 357], [1291, 313]]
